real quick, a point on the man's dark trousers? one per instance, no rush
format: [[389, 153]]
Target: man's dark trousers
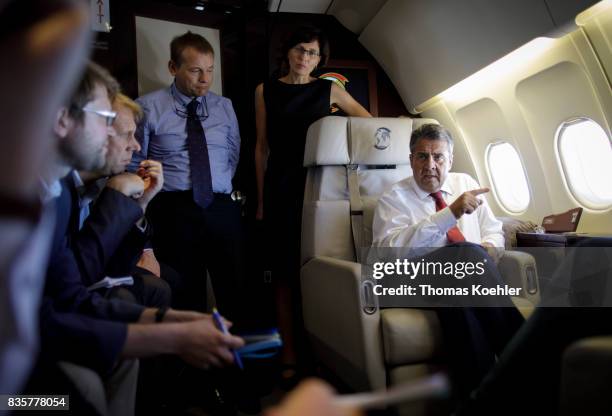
[[475, 336], [192, 240]]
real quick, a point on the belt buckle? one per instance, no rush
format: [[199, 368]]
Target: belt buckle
[[237, 196]]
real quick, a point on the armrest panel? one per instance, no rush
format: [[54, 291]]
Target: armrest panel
[[334, 314], [519, 270]]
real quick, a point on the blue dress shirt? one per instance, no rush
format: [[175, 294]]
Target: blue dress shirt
[[162, 134]]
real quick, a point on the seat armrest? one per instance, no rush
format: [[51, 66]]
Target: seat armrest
[[586, 377], [335, 315], [518, 269]]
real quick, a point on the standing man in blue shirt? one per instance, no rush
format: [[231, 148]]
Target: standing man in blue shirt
[[194, 134]]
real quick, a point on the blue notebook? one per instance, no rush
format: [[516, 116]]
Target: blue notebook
[[260, 344]]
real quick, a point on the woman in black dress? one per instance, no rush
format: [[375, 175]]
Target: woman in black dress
[[285, 108]]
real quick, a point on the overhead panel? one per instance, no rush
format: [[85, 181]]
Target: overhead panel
[[299, 6], [427, 46], [355, 14]]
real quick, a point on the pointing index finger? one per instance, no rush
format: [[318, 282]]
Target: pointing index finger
[[479, 191]]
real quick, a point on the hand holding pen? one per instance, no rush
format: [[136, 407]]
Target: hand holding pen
[[200, 341], [218, 319]]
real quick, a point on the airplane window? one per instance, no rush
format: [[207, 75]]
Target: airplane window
[[585, 152], [508, 177]]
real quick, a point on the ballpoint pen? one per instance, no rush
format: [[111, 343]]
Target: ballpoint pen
[[218, 320]]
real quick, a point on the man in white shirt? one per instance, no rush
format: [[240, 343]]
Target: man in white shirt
[[436, 208], [411, 214]]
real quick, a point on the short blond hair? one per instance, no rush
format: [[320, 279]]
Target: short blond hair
[[125, 101]]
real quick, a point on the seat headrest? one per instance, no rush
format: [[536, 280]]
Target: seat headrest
[[358, 140], [326, 142], [379, 141]]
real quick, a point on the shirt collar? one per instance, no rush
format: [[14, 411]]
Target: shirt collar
[[89, 192], [446, 187], [181, 98], [421, 194], [78, 181]]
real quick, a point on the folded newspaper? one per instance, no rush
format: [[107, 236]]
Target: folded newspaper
[[109, 282]]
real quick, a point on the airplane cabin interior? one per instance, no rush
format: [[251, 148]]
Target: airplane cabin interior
[[523, 87]]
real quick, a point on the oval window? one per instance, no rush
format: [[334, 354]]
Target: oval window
[[585, 154], [508, 177]]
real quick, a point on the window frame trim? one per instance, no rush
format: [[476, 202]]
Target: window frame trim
[[562, 165], [494, 185]]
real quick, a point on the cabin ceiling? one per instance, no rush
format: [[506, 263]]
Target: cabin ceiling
[[353, 14]]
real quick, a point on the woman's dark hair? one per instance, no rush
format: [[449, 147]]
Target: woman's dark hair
[[304, 34]]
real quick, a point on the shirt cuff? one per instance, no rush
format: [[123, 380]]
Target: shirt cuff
[[444, 219]]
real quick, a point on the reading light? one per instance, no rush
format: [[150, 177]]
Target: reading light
[[200, 6]]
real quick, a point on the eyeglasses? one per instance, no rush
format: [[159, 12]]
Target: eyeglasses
[[311, 53], [438, 158], [109, 116], [179, 108]]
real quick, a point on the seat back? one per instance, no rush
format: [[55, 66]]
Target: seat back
[[379, 149]]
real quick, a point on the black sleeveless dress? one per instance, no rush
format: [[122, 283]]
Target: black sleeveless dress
[[290, 110]]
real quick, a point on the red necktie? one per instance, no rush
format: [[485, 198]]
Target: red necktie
[[453, 235]]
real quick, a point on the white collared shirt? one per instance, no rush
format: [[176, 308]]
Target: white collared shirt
[[406, 216]]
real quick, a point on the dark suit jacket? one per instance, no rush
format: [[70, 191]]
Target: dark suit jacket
[[109, 243], [78, 325]]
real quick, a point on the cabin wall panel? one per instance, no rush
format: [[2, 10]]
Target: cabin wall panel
[[545, 106], [599, 32], [533, 91], [462, 160], [483, 123]]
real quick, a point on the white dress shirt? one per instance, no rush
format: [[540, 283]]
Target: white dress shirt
[[406, 216]]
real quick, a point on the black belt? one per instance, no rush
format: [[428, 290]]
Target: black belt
[[222, 197], [234, 196]]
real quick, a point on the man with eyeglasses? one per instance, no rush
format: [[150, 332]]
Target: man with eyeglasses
[[196, 217], [101, 198], [442, 214], [81, 330]]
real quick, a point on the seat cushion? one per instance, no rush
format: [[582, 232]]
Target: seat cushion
[[410, 335]]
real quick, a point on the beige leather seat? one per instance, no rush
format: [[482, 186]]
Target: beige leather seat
[[366, 347]]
